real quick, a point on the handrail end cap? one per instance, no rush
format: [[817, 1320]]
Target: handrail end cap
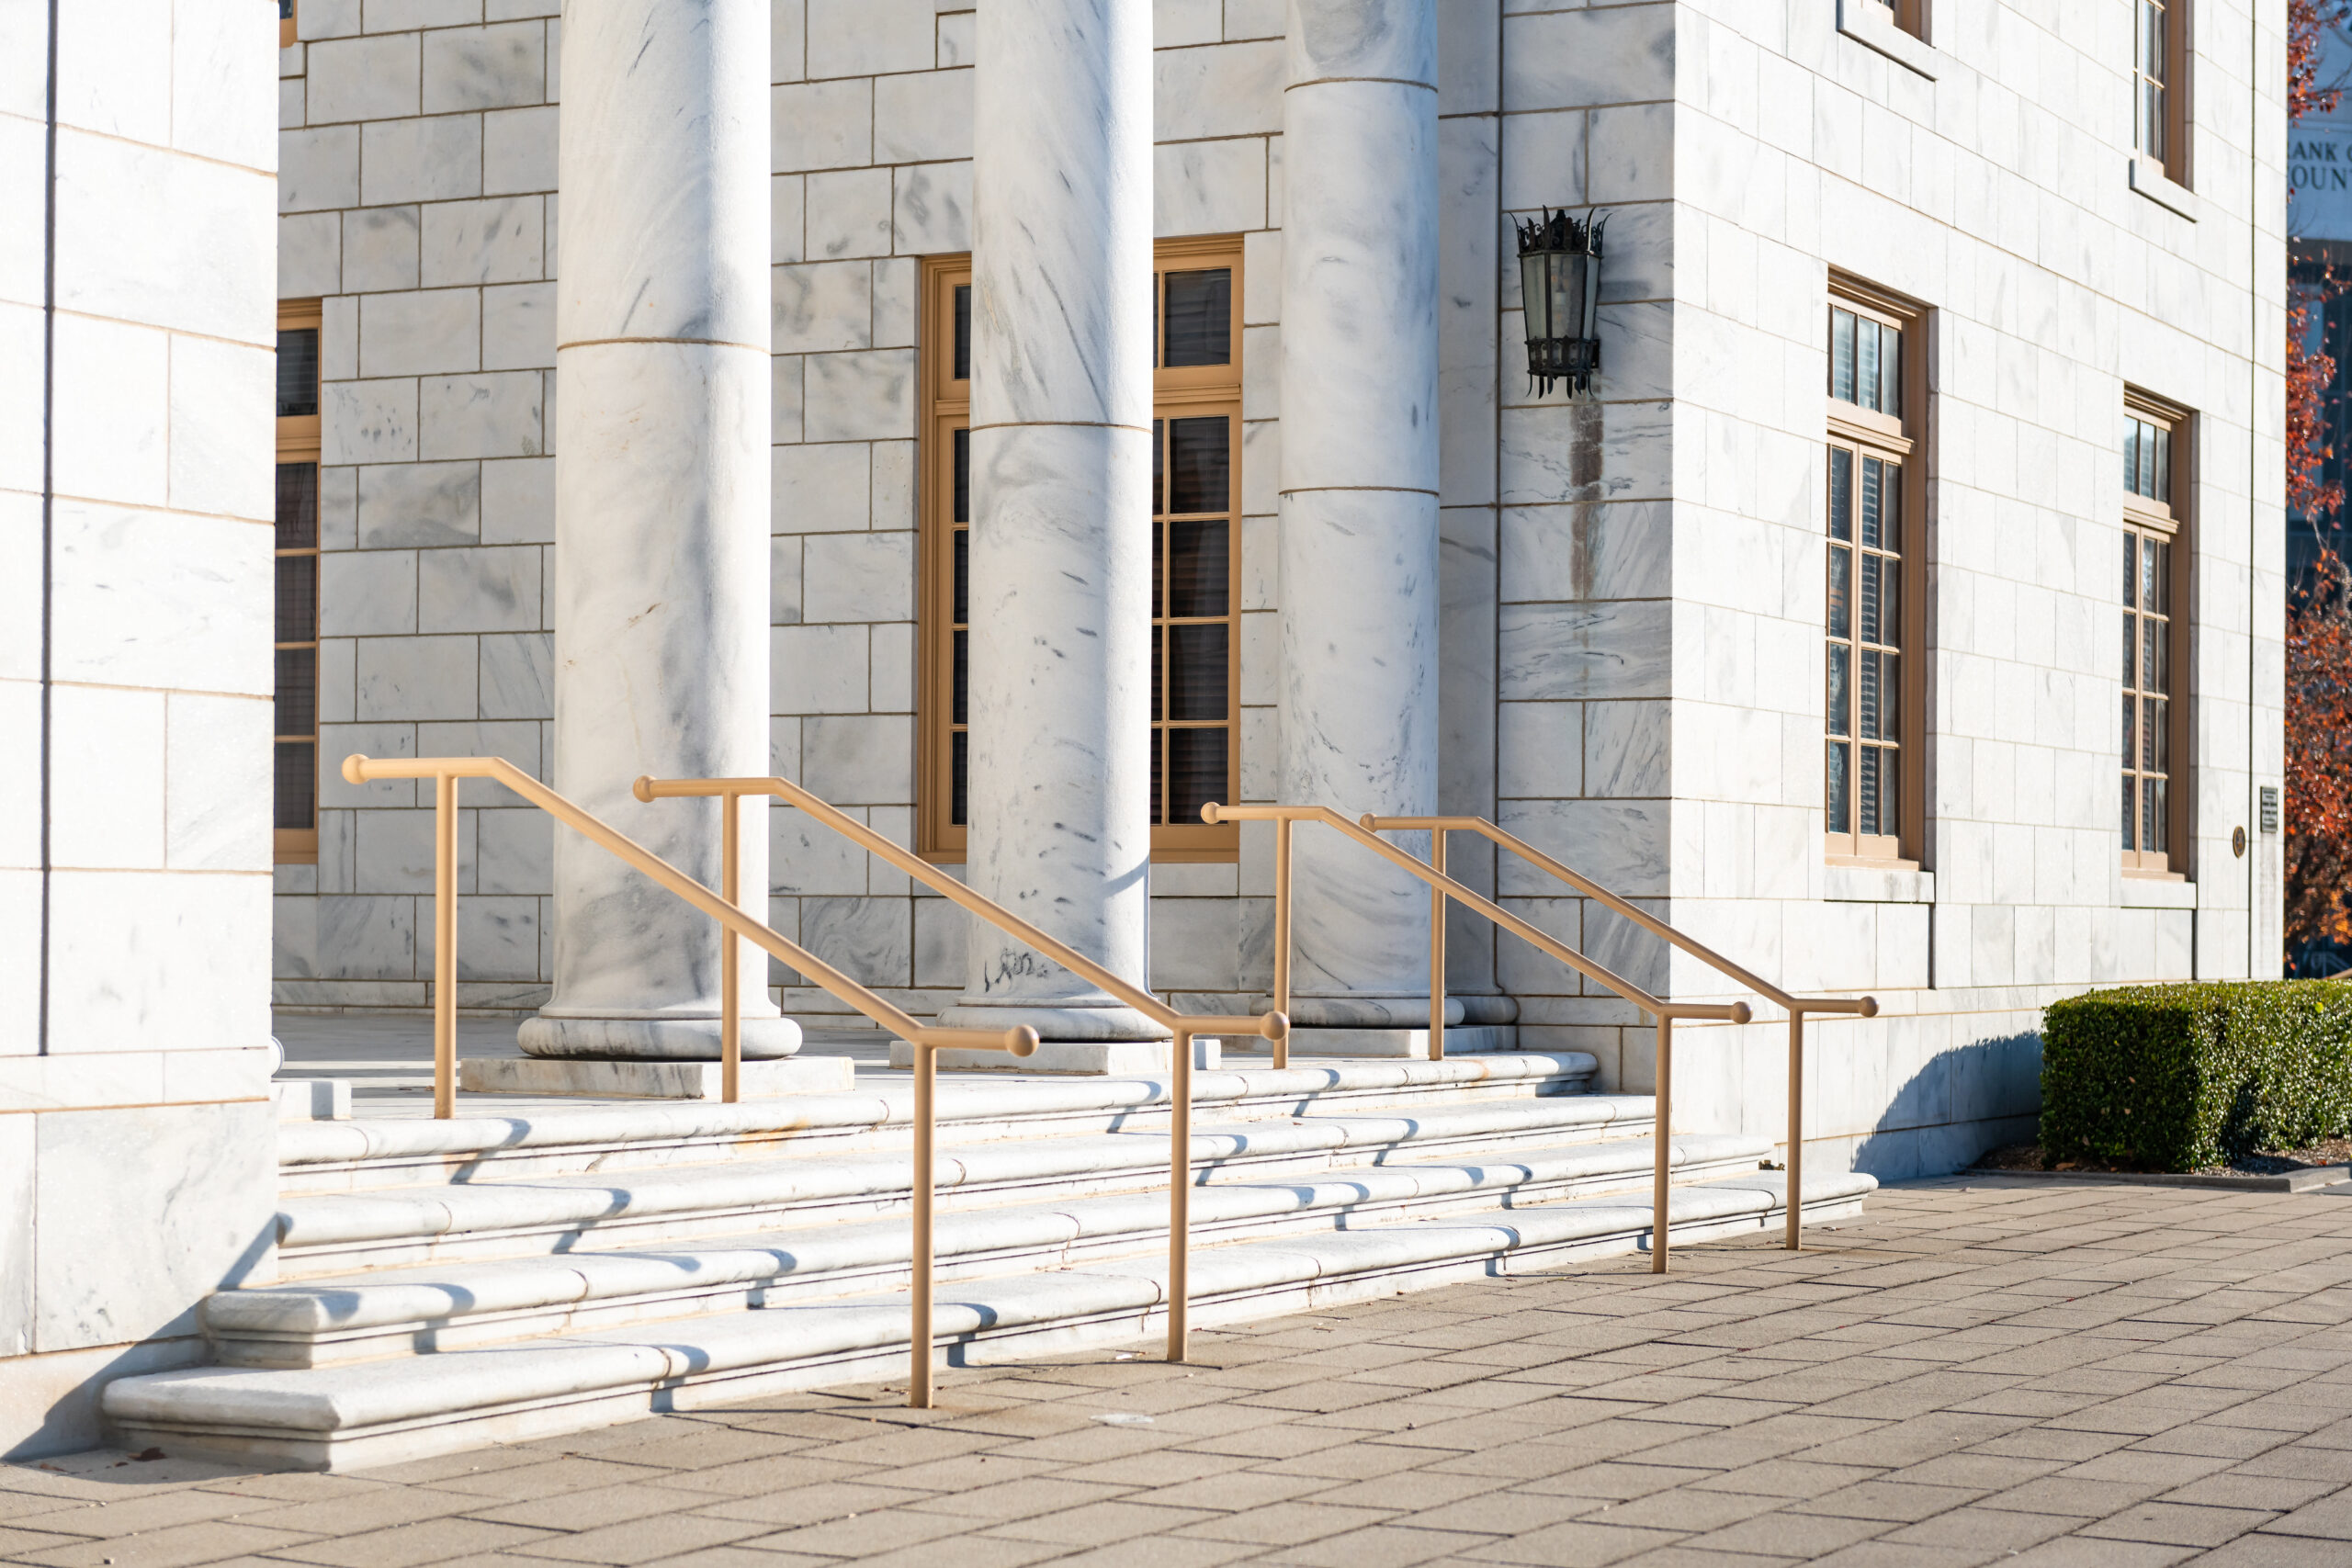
[[1739, 1014], [1274, 1026], [1209, 810], [1369, 822], [352, 766], [1869, 1007], [643, 787], [1021, 1040]]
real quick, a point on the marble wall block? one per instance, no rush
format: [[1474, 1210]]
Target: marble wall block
[[363, 78], [369, 938], [518, 151], [367, 422], [1199, 94], [514, 852], [823, 306], [859, 576], [860, 397], [146, 598], [871, 940], [217, 780], [518, 501], [846, 213], [489, 415], [822, 125], [492, 589], [823, 487], [158, 955], [518, 327], [923, 119], [931, 209], [435, 159], [497, 240], [484, 68], [318, 169], [866, 38], [1209, 187], [107, 776], [218, 412], [417, 677], [407, 504], [309, 254], [820, 669]]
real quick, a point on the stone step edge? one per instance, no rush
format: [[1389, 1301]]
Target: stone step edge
[[344, 1306], [366, 1139], [324, 1221], [374, 1412]]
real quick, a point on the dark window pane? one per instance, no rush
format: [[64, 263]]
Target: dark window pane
[[298, 372], [2130, 653], [2160, 582], [963, 480], [297, 691], [1868, 604], [1200, 318], [1158, 775], [963, 367], [1890, 371], [1841, 493], [1839, 792], [2131, 796], [2164, 465], [2131, 712], [1199, 574], [1199, 465], [2161, 729], [1890, 793], [2130, 567], [1841, 590], [959, 777], [1196, 667], [1874, 497], [297, 598], [2148, 710], [1890, 504], [2151, 593], [960, 706], [1866, 366], [1867, 717], [2160, 658], [297, 784], [2158, 828], [2132, 428], [1159, 638], [1841, 693], [1158, 466], [1196, 772], [2149, 642], [1890, 609], [963, 590], [1889, 694], [1158, 568], [1866, 791], [2151, 842], [298, 506], [1841, 354]]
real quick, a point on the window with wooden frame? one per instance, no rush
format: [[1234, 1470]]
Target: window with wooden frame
[[295, 814], [2155, 636], [1874, 795], [2160, 84], [1196, 554], [1911, 16]]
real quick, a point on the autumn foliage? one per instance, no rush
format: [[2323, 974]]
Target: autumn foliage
[[2319, 610]]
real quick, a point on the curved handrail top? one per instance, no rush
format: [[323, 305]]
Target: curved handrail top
[[1734, 1012], [1272, 1026], [1021, 1040], [1864, 1006]]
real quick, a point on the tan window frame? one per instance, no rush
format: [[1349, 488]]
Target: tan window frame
[[1198, 391], [289, 18], [2159, 750], [2161, 73], [1896, 443], [297, 442]]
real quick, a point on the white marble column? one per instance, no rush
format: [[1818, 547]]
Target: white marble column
[[1059, 801], [661, 508], [1360, 585]]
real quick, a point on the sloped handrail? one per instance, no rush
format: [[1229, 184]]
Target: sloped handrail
[[1797, 1006], [1272, 1026], [445, 773], [1444, 887]]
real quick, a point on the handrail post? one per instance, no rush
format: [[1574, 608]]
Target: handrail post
[[1437, 948], [1180, 1198], [1796, 1127], [1281, 933], [919, 1332], [1662, 1137], [730, 1004], [445, 945]]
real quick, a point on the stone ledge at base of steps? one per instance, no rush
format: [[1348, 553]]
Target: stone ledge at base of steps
[[474, 1304], [591, 1078], [382, 1412], [471, 1139]]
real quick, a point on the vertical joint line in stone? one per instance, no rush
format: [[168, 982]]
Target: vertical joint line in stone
[[47, 509]]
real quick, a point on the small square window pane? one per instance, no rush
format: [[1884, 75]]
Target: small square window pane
[[1196, 772], [959, 777], [1890, 793], [1199, 568], [1158, 466], [1197, 671], [298, 506], [1889, 694], [2151, 595], [1200, 318], [2154, 816], [2160, 730], [961, 611], [1200, 465], [1890, 507], [2149, 679], [1159, 642], [962, 478], [298, 692], [2130, 728], [297, 784], [960, 701], [298, 599], [1867, 597], [2148, 708], [298, 372], [963, 366]]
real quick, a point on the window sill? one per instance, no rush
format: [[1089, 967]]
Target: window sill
[[1868, 23], [2148, 177], [2155, 890], [1847, 881]]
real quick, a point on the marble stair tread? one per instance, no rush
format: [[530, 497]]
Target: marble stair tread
[[351, 1400], [429, 1212], [483, 1138], [376, 1299]]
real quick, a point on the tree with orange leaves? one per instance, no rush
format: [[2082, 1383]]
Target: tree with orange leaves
[[2319, 611]]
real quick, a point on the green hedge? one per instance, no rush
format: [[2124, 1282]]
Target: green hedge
[[2177, 1078]]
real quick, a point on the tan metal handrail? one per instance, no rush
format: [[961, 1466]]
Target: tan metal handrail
[[1272, 1026], [926, 1039], [1862, 1006], [1442, 887]]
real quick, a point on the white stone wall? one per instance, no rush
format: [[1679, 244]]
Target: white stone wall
[[137, 1167], [1632, 584]]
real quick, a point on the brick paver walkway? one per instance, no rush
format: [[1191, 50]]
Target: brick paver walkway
[[2004, 1372]]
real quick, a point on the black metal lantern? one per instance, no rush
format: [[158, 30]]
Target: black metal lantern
[[1559, 275]]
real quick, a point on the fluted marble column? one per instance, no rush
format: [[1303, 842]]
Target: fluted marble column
[[661, 508], [1360, 592], [1060, 782]]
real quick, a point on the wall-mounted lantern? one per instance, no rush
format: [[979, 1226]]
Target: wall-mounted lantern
[[1559, 275]]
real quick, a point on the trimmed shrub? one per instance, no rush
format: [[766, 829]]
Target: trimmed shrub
[[2177, 1078]]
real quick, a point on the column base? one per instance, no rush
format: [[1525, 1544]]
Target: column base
[[595, 1079], [1064, 1020], [651, 1039]]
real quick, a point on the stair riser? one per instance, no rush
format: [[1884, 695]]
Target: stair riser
[[296, 1262], [234, 1348], [395, 1442], [523, 1164]]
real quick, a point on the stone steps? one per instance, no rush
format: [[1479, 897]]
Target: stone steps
[[338, 1233], [355, 1156], [384, 1411], [416, 1311]]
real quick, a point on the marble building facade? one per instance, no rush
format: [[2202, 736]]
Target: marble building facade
[[1630, 602]]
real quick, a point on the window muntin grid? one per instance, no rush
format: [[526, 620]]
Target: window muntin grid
[[295, 725], [2151, 728], [2151, 72]]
